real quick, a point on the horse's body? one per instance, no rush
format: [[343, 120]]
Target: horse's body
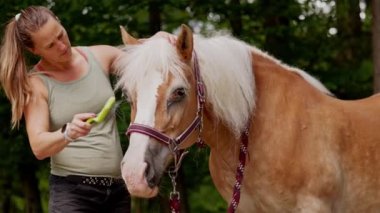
[[307, 152]]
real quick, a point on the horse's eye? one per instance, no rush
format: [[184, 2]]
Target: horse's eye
[[178, 95]]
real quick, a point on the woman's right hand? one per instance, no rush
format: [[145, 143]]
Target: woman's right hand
[[78, 127]]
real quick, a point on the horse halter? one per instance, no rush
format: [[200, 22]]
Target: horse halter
[[173, 143]]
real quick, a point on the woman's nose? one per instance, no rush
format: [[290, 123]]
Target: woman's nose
[[61, 45]]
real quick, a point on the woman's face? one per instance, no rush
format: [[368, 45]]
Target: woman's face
[[51, 42]]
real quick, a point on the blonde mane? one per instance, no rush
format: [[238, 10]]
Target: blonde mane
[[225, 67]]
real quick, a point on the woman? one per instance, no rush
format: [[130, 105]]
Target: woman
[[61, 92]]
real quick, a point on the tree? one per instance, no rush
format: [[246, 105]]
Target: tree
[[376, 43], [155, 15]]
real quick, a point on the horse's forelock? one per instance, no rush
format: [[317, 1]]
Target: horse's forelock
[[154, 55]]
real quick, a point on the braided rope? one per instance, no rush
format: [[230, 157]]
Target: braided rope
[[239, 173], [174, 203]]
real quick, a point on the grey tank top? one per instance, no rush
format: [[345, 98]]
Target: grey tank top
[[98, 153]]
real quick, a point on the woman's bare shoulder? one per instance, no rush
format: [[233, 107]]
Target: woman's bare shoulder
[[106, 54], [38, 86]]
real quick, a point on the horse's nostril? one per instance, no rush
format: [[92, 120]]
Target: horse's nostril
[[151, 183], [147, 169], [150, 176]]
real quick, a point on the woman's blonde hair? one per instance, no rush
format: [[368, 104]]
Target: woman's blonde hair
[[13, 69]]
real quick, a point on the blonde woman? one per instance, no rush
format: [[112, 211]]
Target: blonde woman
[[65, 88]]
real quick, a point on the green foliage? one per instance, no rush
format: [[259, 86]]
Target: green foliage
[[203, 196], [16, 156]]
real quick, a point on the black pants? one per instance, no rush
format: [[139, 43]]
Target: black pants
[[69, 197]]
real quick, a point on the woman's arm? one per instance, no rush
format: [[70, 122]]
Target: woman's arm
[[106, 54], [42, 142]]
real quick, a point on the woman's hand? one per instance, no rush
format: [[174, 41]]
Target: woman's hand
[[78, 127]]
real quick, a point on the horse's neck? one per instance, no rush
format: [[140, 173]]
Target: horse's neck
[[224, 157], [278, 90], [217, 136]]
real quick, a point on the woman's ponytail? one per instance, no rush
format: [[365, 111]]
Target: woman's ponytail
[[13, 72]]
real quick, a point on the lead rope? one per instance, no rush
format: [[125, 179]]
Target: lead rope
[[174, 199], [239, 172]]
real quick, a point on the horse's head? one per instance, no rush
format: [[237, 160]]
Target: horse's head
[[157, 79]]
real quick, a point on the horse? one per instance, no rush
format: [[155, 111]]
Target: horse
[[307, 151]]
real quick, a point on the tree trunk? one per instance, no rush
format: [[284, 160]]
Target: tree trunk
[[349, 28], [276, 24], [154, 16], [6, 204], [183, 191], [348, 17], [376, 43], [31, 190], [164, 203], [235, 18]]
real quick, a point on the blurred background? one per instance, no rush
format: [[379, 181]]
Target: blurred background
[[337, 41]]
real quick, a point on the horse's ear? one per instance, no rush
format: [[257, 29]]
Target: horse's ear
[[128, 39], [185, 43]]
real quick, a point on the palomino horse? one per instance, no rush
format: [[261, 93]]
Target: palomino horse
[[307, 151]]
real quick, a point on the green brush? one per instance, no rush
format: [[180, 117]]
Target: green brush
[[104, 112]]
